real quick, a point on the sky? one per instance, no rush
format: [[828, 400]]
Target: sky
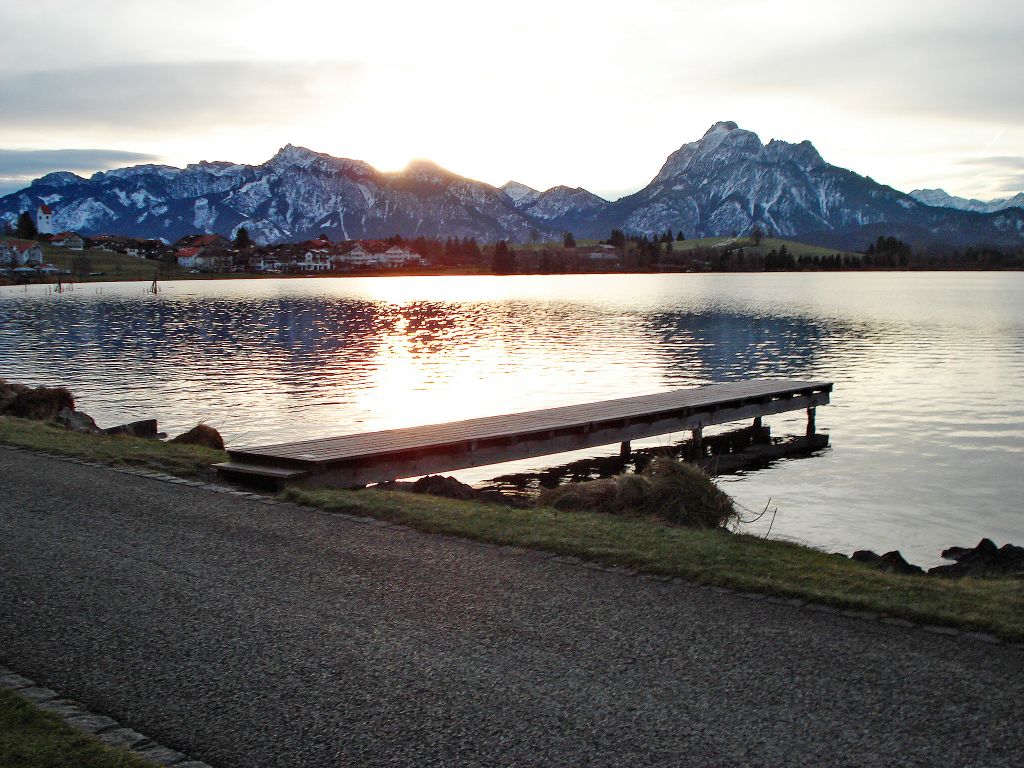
[[595, 94]]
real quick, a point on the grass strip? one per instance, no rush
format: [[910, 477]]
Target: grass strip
[[32, 738], [711, 557], [115, 450]]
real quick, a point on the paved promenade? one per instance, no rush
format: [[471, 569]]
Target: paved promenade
[[247, 634]]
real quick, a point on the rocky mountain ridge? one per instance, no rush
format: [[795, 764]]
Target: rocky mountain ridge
[[939, 198], [727, 182]]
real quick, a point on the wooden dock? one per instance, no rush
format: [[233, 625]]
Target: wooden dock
[[353, 461]]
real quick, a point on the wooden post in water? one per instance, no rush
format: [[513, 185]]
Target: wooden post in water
[[624, 449], [810, 421], [757, 422], [697, 442]]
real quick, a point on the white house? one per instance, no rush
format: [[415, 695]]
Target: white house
[[134, 252], [265, 264], [69, 240], [315, 260], [360, 258], [190, 258], [21, 253], [44, 220], [356, 258], [396, 256]]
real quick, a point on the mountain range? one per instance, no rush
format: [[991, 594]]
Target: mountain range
[[726, 182], [942, 199]]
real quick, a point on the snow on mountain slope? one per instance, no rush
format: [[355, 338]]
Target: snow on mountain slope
[[726, 182], [520, 194], [939, 198]]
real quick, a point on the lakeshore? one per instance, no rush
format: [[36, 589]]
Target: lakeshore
[[742, 562], [919, 460]]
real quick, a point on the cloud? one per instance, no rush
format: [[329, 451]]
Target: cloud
[[163, 97], [19, 166], [1002, 162], [946, 71], [1004, 172], [37, 162]]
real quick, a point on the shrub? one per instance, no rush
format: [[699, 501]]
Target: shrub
[[201, 434], [672, 491]]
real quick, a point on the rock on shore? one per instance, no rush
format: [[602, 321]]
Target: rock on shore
[[986, 560]]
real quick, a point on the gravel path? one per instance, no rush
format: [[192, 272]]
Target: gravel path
[[246, 634]]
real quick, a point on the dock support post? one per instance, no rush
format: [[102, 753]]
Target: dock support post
[[757, 422], [810, 421], [697, 442], [624, 449]]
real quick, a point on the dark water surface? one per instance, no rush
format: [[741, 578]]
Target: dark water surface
[[927, 420]]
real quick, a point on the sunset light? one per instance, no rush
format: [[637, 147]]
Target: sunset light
[[553, 383]]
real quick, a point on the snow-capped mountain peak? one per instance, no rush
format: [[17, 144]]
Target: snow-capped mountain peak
[[723, 183], [58, 179], [291, 156], [723, 142], [520, 194]]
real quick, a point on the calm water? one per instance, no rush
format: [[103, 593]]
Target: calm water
[[927, 420]]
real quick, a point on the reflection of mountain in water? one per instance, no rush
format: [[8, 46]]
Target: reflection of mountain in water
[[717, 345]]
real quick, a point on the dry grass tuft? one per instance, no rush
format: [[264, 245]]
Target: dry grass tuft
[[668, 490], [201, 434]]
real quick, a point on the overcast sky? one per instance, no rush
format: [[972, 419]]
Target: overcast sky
[[915, 93]]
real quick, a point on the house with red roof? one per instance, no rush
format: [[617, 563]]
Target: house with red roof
[[70, 240], [21, 253], [190, 257], [194, 257]]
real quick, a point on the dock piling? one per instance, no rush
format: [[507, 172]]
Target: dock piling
[[697, 441]]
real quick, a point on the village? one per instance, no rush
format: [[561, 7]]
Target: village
[[28, 258]]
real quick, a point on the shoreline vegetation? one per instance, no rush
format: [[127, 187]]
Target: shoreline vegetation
[[643, 542], [102, 262]]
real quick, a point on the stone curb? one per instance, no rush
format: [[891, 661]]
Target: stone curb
[[565, 560], [107, 730]]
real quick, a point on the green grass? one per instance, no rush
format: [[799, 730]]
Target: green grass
[[119, 450], [115, 266], [645, 544], [767, 244], [540, 246], [708, 556], [32, 738]]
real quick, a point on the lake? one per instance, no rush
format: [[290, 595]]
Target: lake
[[926, 422]]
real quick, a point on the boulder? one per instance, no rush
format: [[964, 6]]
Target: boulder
[[892, 562], [201, 434], [144, 428], [77, 421], [866, 556], [983, 561]]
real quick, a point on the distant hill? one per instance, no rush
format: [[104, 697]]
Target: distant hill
[[726, 183]]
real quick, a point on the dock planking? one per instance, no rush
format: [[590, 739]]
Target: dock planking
[[354, 460]]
